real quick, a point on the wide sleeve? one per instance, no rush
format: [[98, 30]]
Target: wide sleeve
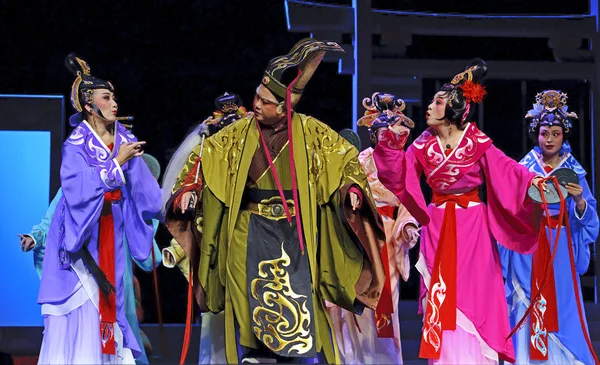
[[141, 205], [212, 290], [399, 172], [146, 265], [584, 228], [514, 219], [505, 259], [83, 188], [40, 230], [401, 243]]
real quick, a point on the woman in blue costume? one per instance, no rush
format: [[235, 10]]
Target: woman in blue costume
[[556, 331]]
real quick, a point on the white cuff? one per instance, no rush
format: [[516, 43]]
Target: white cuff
[[584, 210], [168, 258], [120, 170]]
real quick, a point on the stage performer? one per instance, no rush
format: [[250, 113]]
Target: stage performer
[[108, 194], [462, 292], [374, 336], [185, 225], [288, 222], [554, 333]]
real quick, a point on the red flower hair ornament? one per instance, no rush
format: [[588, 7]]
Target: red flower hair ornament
[[472, 91]]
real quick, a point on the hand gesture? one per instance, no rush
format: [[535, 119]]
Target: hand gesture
[[537, 179], [575, 190], [400, 129], [188, 200], [27, 242], [127, 151], [354, 201], [411, 234]]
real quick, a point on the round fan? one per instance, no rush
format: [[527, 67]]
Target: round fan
[[565, 176], [552, 196]]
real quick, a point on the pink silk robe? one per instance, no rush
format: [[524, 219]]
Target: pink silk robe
[[509, 217]]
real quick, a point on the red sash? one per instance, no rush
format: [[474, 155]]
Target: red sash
[[441, 300], [106, 262]]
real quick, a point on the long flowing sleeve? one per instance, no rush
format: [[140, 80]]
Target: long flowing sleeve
[[83, 188], [142, 204], [401, 243], [513, 217], [39, 232], [399, 172], [146, 265], [505, 258], [209, 271], [584, 228]]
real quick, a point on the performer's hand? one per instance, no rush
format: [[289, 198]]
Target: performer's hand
[[400, 129], [575, 190], [127, 151], [354, 201], [188, 200], [535, 181], [411, 234], [27, 242]]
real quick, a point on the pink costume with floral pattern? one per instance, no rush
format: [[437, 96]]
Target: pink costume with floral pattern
[[509, 217]]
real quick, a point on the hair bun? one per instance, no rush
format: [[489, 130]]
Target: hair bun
[[478, 69]]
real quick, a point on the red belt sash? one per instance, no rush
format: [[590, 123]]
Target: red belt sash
[[544, 317], [106, 261], [441, 299], [385, 307]]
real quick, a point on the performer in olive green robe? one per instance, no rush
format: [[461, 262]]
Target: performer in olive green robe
[[185, 224], [288, 222]]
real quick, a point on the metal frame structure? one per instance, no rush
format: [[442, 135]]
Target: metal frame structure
[[392, 72]]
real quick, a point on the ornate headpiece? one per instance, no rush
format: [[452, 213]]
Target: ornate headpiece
[[550, 109], [468, 84], [83, 86], [382, 111], [472, 91], [229, 109], [306, 55]]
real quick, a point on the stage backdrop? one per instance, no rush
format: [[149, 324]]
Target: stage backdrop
[[31, 136]]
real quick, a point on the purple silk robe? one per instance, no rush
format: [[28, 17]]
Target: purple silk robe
[[88, 170]]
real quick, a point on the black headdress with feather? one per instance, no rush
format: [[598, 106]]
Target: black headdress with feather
[[83, 87]]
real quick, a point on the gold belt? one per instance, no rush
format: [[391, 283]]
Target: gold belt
[[270, 210]]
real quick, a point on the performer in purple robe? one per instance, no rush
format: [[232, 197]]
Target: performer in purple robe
[[109, 194]]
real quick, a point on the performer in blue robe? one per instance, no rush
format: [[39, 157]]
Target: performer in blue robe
[[553, 333]]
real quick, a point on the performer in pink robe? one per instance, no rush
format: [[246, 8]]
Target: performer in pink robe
[[374, 336], [462, 293]]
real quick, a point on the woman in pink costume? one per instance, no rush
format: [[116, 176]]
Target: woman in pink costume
[[462, 293]]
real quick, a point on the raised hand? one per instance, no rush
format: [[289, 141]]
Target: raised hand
[[127, 151]]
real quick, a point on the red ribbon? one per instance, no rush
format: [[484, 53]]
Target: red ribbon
[[106, 261], [441, 300]]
